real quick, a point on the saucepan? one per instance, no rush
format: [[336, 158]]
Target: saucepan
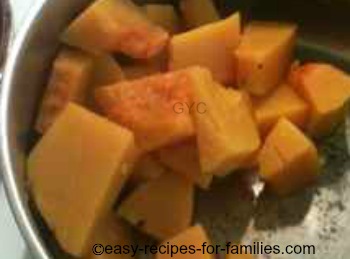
[[319, 217]]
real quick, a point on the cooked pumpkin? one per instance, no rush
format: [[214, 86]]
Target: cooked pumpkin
[[145, 68], [110, 230], [326, 89], [288, 160], [116, 26], [147, 168], [164, 15], [197, 13], [173, 114], [106, 71], [282, 102], [147, 107], [227, 135], [69, 80], [264, 56], [78, 168], [183, 158], [210, 46], [161, 208]]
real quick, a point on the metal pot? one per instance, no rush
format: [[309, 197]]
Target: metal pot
[[27, 69], [26, 72]]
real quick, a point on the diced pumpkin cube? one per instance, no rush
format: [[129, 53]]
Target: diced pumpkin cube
[[288, 160], [282, 102], [106, 71], [264, 56], [210, 46], [163, 15], [227, 135], [198, 12], [183, 158], [161, 208], [68, 82], [146, 169], [194, 236], [326, 89], [116, 26], [110, 230], [140, 69], [146, 106], [78, 168]]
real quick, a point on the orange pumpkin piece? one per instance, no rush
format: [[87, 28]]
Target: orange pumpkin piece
[[146, 106], [227, 135], [110, 230], [198, 12], [106, 71], [210, 46], [78, 168], [141, 70], [161, 208], [288, 160], [164, 15], [147, 168], [282, 102], [183, 158], [326, 89], [144, 68], [194, 236], [264, 56], [70, 76], [116, 26]]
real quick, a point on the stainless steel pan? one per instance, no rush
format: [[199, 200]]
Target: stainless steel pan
[[319, 217]]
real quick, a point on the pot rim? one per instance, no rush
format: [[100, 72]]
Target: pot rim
[[17, 202], [6, 30]]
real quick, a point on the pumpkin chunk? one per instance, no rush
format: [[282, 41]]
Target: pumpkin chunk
[[283, 102], [326, 89], [116, 26], [148, 106], [264, 56], [70, 76], [147, 168], [183, 158], [110, 230], [197, 13], [78, 168], [227, 135], [145, 68], [169, 194], [106, 71], [163, 15], [288, 160], [210, 46]]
